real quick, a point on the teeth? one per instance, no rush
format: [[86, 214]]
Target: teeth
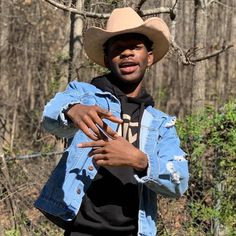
[[127, 64]]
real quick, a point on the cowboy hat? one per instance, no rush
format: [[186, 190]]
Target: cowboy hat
[[123, 21]]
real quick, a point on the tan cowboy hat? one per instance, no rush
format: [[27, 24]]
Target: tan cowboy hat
[[122, 21]]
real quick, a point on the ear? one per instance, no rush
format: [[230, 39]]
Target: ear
[[150, 58]]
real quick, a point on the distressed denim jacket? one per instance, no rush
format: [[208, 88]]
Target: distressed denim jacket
[[167, 172]]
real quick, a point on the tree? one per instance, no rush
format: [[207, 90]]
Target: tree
[[4, 86], [199, 70]]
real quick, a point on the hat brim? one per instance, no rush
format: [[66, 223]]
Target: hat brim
[[154, 28]]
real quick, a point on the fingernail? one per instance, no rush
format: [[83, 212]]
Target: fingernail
[[79, 145]]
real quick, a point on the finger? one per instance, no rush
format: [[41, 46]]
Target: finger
[[97, 150], [96, 123], [98, 120], [104, 135], [103, 112], [91, 124], [108, 115], [100, 159], [109, 130], [87, 131], [91, 152], [91, 120], [98, 143], [114, 119], [99, 124], [101, 162], [102, 126]]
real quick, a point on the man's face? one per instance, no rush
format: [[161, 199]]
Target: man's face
[[128, 58]]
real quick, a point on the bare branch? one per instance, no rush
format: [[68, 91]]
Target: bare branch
[[172, 11], [100, 3], [23, 157], [106, 15], [97, 15], [139, 5], [63, 7], [175, 4], [220, 3], [216, 53], [74, 10], [155, 11], [160, 10], [185, 57], [181, 54]]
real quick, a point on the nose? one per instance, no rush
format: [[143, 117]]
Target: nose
[[127, 53]]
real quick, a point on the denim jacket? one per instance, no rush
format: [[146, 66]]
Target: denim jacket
[[167, 172]]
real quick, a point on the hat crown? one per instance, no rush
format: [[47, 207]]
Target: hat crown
[[122, 19]]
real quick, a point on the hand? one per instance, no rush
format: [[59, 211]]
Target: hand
[[86, 117], [116, 152]]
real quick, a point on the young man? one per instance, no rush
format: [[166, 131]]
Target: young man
[[122, 152]]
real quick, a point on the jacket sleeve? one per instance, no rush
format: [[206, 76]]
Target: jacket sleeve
[[54, 120], [167, 172]]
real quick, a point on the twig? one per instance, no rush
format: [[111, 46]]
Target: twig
[[17, 190], [172, 11], [175, 4], [97, 15], [63, 7], [139, 5], [160, 10], [181, 54], [155, 11], [100, 3], [9, 189], [185, 57], [216, 53], [106, 15], [14, 119], [74, 10], [33, 156], [220, 3]]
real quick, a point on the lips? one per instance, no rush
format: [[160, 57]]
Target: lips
[[128, 67]]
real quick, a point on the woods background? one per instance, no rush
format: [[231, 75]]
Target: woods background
[[41, 49]]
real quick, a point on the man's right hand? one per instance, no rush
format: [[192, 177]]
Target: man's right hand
[[86, 117]]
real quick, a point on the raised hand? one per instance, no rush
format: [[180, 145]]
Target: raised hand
[[88, 118]]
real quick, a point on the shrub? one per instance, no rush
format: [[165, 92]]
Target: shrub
[[209, 138]]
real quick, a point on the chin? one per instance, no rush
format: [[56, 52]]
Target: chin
[[130, 79]]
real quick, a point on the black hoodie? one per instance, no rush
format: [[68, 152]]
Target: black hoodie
[[110, 205]]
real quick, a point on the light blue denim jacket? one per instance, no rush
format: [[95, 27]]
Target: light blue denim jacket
[[167, 172]]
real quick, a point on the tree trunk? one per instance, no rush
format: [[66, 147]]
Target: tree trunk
[[72, 48], [4, 85], [199, 70], [64, 65], [76, 41]]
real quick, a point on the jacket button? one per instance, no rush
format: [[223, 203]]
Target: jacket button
[[90, 168], [78, 191]]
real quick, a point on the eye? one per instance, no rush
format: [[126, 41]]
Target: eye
[[115, 50], [138, 46]]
